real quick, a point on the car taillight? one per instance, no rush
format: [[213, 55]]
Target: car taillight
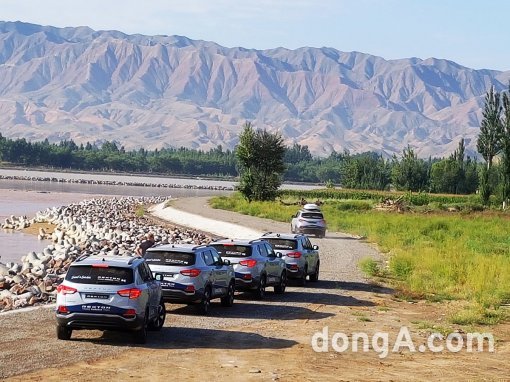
[[62, 309], [64, 289], [190, 272], [248, 263], [247, 276], [189, 289], [294, 255], [132, 293], [130, 313]]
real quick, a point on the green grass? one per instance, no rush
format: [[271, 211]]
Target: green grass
[[434, 255], [140, 211]]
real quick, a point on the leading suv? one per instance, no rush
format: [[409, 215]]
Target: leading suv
[[301, 257], [192, 274], [255, 263], [309, 220], [109, 293]]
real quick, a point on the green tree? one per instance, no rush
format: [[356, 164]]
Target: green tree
[[505, 148], [260, 155], [410, 173], [489, 140]]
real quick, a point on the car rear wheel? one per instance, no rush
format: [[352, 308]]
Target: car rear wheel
[[203, 307], [159, 320], [315, 276], [280, 288], [302, 279], [228, 300], [261, 290], [64, 333], [140, 336]]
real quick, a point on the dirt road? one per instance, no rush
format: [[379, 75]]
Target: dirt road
[[269, 340]]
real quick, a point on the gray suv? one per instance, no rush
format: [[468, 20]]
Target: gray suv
[[309, 220], [109, 293], [192, 274], [301, 257], [256, 265]]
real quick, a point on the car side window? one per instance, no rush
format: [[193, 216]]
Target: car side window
[[270, 250], [143, 272], [208, 259], [263, 250], [306, 243], [149, 272], [216, 257]]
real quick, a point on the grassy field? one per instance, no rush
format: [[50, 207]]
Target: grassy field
[[433, 254]]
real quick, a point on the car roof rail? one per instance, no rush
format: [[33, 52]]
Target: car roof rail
[[198, 246], [267, 233], [82, 257]]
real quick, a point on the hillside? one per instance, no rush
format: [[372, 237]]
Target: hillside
[[160, 91]]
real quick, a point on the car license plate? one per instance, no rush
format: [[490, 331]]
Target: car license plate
[[97, 296]]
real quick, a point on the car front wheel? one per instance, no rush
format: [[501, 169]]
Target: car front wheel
[[228, 300], [280, 288], [159, 320]]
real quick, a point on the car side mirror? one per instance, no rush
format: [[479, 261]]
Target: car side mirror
[[279, 255], [158, 277], [226, 262], [316, 247]]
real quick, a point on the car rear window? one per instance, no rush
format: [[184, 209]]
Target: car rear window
[[232, 250], [169, 258], [312, 215], [86, 274], [282, 243]]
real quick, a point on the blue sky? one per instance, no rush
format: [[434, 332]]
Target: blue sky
[[473, 33]]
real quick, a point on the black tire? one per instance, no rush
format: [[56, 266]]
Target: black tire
[[302, 280], [140, 336], [203, 307], [280, 288], [228, 300], [157, 323], [64, 333], [315, 276], [260, 293]]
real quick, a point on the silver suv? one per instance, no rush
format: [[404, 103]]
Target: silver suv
[[109, 293], [255, 263], [301, 257], [192, 274], [309, 220]]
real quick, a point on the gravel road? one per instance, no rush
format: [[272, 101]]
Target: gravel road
[[29, 342]]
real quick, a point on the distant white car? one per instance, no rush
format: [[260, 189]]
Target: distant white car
[[309, 220]]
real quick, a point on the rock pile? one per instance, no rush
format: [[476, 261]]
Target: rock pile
[[99, 226], [117, 183]]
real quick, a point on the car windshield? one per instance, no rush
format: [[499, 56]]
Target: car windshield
[[169, 258], [87, 274], [282, 243], [232, 250], [312, 215]]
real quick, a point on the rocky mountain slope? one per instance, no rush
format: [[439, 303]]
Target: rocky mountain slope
[[161, 91]]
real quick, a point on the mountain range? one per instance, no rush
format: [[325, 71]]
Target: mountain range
[[170, 91]]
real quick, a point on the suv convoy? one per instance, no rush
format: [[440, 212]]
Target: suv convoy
[[109, 293], [300, 256], [256, 265], [309, 220], [192, 274]]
